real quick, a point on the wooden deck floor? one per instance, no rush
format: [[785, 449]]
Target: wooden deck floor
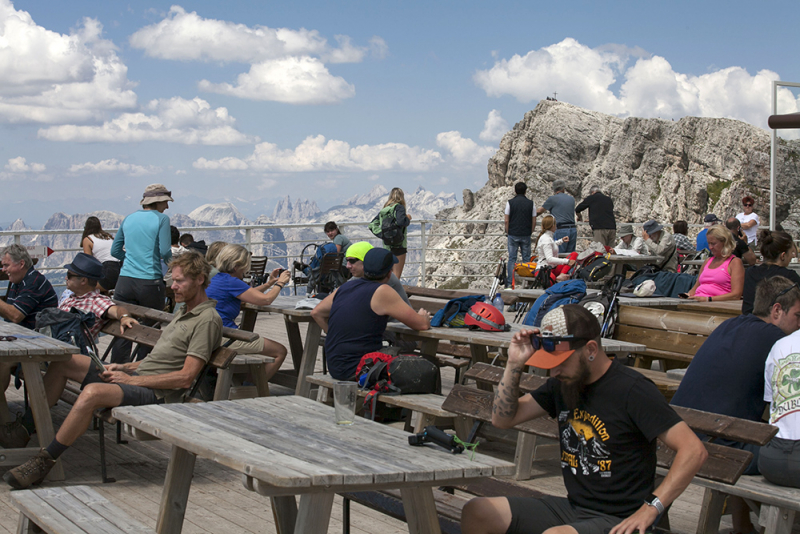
[[219, 503]]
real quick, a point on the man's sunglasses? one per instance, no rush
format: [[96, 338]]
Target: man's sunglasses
[[352, 260], [549, 343], [782, 293]]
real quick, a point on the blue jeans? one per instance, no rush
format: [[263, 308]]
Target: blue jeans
[[573, 238], [517, 243]]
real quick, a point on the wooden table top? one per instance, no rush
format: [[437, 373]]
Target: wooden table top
[[495, 339], [292, 443], [283, 304], [31, 345], [726, 307]]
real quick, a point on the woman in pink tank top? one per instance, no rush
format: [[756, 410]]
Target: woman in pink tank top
[[722, 275]]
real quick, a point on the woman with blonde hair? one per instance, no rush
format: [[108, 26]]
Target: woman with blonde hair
[[97, 242], [547, 250], [395, 206], [228, 289], [722, 275]]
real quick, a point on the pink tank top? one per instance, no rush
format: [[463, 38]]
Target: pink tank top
[[714, 282]]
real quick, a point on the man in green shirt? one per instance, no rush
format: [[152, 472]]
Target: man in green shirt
[[184, 347]]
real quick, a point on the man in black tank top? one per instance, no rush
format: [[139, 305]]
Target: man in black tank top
[[520, 220], [355, 315]]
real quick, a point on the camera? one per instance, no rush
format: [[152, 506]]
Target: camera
[[439, 437]]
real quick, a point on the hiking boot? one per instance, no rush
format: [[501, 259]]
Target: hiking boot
[[31, 472], [13, 435]]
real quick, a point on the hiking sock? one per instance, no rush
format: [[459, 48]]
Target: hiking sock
[[27, 422], [56, 449]]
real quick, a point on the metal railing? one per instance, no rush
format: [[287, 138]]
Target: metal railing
[[425, 244]]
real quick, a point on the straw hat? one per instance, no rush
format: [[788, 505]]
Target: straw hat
[[156, 193]]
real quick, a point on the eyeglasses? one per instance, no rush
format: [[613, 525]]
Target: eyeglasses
[[748, 205], [7, 338], [352, 260], [782, 293], [549, 342], [71, 275]]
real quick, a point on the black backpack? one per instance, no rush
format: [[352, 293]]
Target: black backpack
[[70, 327], [385, 226], [596, 270], [396, 375]]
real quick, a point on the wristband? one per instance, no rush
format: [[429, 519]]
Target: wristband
[[279, 285], [655, 502], [123, 316]]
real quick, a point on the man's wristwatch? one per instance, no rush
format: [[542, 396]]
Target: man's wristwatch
[[655, 502]]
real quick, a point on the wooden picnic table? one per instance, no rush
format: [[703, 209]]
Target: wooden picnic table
[[29, 350], [304, 354], [619, 260], [530, 295], [480, 341], [288, 446], [725, 307]]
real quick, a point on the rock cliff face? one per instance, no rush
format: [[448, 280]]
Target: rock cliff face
[[652, 168]]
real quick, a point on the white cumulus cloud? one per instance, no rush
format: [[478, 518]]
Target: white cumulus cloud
[[21, 165], [113, 165], [293, 80], [171, 120], [49, 77], [286, 65], [494, 128], [650, 87], [464, 151], [316, 153]]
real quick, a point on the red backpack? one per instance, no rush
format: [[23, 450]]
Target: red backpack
[[395, 375]]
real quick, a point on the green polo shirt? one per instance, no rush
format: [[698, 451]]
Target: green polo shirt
[[196, 333]]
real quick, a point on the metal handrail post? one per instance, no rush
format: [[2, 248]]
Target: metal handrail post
[[421, 279], [247, 238]]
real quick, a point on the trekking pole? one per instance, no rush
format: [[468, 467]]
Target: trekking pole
[[521, 311], [498, 272]]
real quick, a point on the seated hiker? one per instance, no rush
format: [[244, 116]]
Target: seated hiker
[[659, 243], [627, 241], [230, 291], [778, 250], [185, 346], [28, 293], [356, 313], [340, 240], [741, 250], [355, 264], [609, 417], [726, 375], [722, 274], [83, 275]]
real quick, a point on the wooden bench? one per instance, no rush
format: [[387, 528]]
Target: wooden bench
[[70, 510], [425, 408], [724, 464], [673, 337]]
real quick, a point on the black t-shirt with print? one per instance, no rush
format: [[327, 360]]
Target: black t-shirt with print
[[608, 443]]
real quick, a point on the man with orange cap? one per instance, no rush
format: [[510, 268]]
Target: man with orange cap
[[609, 417]]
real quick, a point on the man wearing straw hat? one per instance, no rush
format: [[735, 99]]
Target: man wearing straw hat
[[143, 240]]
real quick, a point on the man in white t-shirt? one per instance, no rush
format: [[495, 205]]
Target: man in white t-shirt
[[750, 221]]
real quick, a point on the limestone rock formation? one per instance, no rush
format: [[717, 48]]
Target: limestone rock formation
[[652, 168]]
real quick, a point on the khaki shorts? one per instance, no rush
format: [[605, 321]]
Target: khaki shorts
[[248, 347]]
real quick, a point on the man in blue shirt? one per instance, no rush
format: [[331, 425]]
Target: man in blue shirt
[[561, 206], [709, 221]]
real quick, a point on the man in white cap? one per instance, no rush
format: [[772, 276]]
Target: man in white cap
[[609, 417], [628, 241], [142, 241], [660, 243]]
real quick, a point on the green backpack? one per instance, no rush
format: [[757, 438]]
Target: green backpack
[[385, 226]]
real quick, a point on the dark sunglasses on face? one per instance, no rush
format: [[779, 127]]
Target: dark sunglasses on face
[[748, 205], [352, 260], [549, 343]]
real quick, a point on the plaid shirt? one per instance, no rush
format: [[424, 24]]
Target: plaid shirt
[[91, 302], [683, 242]]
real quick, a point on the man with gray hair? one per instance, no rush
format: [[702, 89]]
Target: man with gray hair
[[561, 206], [601, 216], [659, 243]]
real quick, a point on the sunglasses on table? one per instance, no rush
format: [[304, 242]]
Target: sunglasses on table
[[7, 338], [782, 293], [549, 343]]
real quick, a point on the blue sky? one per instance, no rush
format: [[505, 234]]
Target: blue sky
[[323, 100]]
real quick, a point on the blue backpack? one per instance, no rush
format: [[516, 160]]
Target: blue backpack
[[455, 310], [322, 251], [560, 294]]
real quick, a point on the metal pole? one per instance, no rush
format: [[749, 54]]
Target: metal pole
[[424, 247], [773, 160], [247, 239]]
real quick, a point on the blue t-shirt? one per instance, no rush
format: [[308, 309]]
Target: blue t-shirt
[[702, 240], [146, 239], [726, 375], [562, 207], [225, 289]]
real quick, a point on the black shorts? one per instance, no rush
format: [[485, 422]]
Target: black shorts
[[534, 516], [131, 395], [398, 251]]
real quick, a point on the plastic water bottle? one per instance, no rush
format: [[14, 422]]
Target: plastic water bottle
[[497, 302]]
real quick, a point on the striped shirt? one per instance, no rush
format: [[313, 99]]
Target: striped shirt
[[33, 294]]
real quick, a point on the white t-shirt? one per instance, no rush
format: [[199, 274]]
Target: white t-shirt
[[101, 249], [782, 386], [751, 233]]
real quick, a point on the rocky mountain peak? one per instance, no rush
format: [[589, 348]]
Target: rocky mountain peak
[[301, 211], [222, 214], [378, 192]]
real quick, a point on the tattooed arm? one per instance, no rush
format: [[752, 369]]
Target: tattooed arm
[[508, 408]]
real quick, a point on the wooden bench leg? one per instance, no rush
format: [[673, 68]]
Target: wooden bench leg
[[463, 425], [323, 394], [175, 494], [523, 456], [422, 420], [314, 514], [259, 375], [284, 511], [224, 382], [711, 512], [776, 520], [41, 413], [26, 526], [420, 508]]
